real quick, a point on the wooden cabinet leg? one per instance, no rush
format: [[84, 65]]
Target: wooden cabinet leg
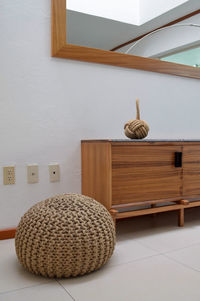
[[181, 217], [113, 213], [153, 206]]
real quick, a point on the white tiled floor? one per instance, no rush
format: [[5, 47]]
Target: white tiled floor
[[154, 260]]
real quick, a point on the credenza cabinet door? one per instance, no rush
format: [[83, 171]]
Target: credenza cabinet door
[[142, 173], [191, 171]]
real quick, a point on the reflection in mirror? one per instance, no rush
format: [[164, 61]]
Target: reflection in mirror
[[88, 24], [97, 32], [190, 57], [172, 46]]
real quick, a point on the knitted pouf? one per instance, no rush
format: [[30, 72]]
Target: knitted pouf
[[66, 235]]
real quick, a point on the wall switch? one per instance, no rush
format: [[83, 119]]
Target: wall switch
[[9, 175], [32, 174], [54, 173]]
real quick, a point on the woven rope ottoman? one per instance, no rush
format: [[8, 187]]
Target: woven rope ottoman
[[66, 235]]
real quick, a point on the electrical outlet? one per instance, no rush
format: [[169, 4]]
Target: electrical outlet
[[9, 175], [32, 174], [54, 172]]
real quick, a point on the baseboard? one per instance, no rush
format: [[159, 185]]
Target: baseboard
[[7, 233]]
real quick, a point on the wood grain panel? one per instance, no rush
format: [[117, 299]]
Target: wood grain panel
[[177, 200], [145, 173], [148, 211], [191, 170], [193, 204], [58, 25], [61, 49], [7, 233], [96, 172], [99, 56]]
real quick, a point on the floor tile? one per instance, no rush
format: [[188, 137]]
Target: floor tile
[[153, 279], [50, 292], [189, 256], [165, 241], [144, 226], [136, 271], [161, 233], [129, 250], [12, 275]]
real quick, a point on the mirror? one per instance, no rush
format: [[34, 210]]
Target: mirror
[[88, 36]]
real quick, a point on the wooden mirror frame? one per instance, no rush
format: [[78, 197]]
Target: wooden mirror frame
[[61, 49]]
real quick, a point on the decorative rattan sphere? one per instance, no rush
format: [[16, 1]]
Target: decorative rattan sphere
[[136, 128], [66, 235]]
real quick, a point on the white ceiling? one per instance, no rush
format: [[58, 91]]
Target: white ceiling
[[126, 11], [150, 9], [135, 12], [104, 33]]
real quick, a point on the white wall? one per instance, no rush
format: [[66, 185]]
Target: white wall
[[126, 11], [48, 105]]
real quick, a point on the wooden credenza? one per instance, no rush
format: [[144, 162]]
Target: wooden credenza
[[132, 178]]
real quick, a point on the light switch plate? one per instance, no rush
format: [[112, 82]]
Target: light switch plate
[[32, 174], [9, 175], [54, 172]]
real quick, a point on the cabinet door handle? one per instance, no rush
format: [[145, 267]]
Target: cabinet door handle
[[178, 159]]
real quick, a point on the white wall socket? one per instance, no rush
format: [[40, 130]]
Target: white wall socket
[[32, 174], [54, 172], [9, 175]]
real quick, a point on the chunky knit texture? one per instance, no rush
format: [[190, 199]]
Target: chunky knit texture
[[66, 235], [136, 129]]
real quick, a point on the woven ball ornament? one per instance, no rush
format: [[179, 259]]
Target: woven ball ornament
[[136, 128], [66, 235]]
